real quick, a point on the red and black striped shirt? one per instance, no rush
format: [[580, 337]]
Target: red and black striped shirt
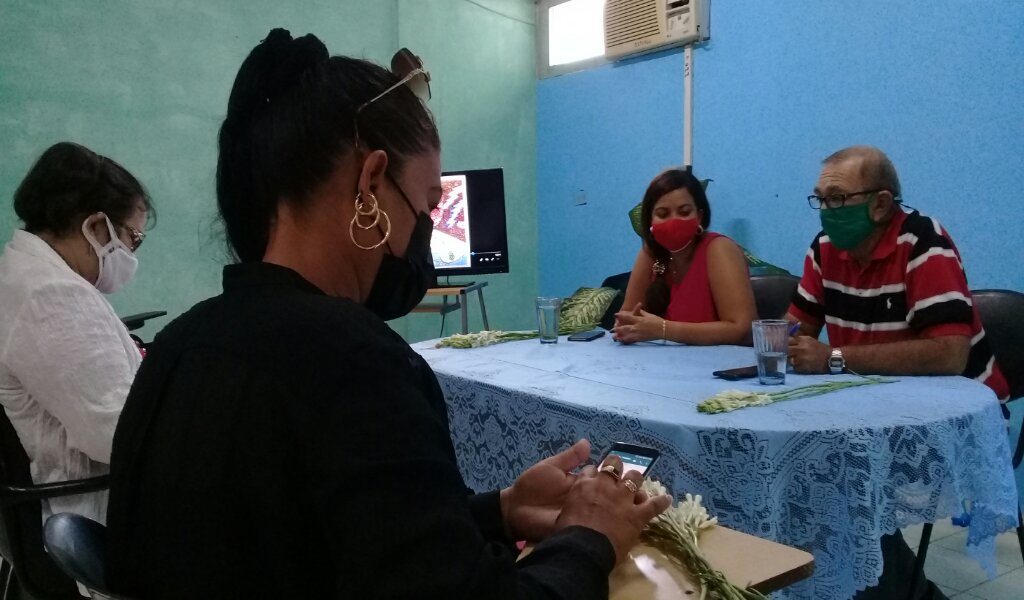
[[914, 287]]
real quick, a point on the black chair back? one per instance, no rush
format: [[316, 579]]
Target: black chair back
[[773, 294], [79, 547], [618, 282], [21, 521], [1002, 315]]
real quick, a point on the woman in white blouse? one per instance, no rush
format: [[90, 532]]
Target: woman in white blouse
[[66, 360]]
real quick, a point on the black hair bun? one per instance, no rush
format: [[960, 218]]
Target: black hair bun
[[287, 59], [273, 68]]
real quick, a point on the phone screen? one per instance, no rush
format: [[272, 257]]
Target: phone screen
[[634, 458]]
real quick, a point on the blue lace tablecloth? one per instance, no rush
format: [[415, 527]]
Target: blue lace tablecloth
[[830, 474]]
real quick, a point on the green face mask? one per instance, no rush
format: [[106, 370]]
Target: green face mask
[[847, 226]]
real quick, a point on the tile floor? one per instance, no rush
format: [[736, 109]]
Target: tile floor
[[959, 576]]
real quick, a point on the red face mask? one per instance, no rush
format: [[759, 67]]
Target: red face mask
[[675, 234]]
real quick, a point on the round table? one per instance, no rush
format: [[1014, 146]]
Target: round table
[[830, 474]]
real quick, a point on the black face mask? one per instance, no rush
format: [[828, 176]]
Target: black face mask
[[401, 282]]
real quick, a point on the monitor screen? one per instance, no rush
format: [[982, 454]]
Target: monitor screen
[[469, 224]]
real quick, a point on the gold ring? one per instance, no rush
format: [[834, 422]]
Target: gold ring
[[630, 485], [611, 471]]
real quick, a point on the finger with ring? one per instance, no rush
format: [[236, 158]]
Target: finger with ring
[[611, 471], [630, 485]]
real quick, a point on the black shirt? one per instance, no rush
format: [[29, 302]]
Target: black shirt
[[279, 442]]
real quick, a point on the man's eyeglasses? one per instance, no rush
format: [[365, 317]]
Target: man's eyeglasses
[[410, 72], [835, 200], [137, 237]]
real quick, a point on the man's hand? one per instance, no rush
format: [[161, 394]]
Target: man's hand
[[808, 355], [531, 505], [637, 325]]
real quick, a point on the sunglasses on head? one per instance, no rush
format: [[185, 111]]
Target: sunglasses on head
[[410, 72]]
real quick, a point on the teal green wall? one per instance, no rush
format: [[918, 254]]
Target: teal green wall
[[146, 83], [484, 80]]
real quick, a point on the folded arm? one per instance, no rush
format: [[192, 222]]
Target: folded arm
[[731, 292]]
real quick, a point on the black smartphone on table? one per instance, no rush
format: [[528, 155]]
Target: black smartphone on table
[[586, 336], [738, 373], [634, 458]]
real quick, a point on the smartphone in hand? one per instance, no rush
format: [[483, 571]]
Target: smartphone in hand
[[634, 458]]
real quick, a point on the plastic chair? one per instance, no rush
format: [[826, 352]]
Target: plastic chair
[[79, 547], [773, 294], [1002, 316], [26, 564], [618, 282]]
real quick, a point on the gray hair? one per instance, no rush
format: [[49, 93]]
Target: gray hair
[[875, 167]]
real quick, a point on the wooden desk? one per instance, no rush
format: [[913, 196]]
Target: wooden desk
[[745, 560], [460, 293]]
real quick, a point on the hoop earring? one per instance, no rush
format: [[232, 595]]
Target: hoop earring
[[369, 210], [700, 230]]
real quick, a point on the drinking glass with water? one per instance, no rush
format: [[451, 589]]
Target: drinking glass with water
[[771, 345], [547, 319]]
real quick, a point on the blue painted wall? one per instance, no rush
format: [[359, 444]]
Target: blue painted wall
[[939, 86]]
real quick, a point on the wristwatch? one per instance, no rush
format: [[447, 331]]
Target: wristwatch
[[836, 362]]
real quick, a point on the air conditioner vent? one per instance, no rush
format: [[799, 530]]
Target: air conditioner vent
[[635, 26]]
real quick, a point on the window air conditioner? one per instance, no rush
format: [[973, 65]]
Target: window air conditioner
[[638, 26]]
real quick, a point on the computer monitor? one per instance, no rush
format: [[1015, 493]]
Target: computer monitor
[[470, 237]]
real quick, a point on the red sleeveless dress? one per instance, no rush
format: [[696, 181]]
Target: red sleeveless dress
[[690, 300]]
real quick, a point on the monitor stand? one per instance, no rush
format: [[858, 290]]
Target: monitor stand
[[454, 284]]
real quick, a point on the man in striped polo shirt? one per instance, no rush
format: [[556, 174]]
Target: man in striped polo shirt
[[888, 286], [891, 291]]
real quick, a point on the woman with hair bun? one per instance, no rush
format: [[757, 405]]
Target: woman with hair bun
[[66, 360], [281, 440]]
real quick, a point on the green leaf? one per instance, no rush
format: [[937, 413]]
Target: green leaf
[[761, 267], [583, 310], [634, 219]]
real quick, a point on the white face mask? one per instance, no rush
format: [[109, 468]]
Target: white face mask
[[117, 263]]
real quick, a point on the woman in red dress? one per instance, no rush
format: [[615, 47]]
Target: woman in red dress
[[689, 285]]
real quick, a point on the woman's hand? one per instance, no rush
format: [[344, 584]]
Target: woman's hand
[[637, 325], [611, 504], [532, 504]]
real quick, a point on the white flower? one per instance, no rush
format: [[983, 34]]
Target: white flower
[[483, 338], [689, 513], [676, 532], [729, 400], [693, 513], [653, 487]]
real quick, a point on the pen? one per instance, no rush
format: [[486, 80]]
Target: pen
[[795, 328]]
